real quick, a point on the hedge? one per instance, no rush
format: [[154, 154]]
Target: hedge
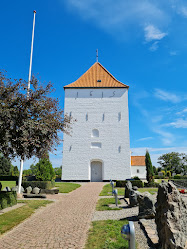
[[180, 177], [137, 183], [7, 199], [151, 184], [39, 184], [8, 178]]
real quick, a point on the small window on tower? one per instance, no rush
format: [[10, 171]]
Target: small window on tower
[[119, 149], [70, 114], [95, 133], [103, 117], [86, 116], [119, 116]]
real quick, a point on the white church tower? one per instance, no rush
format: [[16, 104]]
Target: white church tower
[[98, 148]]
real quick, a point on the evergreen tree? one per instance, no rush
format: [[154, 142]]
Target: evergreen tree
[[149, 167], [5, 166], [44, 170]]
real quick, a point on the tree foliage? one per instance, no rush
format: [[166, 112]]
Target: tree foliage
[[14, 171], [44, 170], [29, 126], [5, 166], [58, 171], [174, 162], [149, 167]]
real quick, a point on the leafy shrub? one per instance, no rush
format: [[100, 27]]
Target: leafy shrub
[[177, 177], [158, 177], [151, 184], [44, 170], [168, 173], [8, 178], [39, 184], [0, 186], [164, 173], [137, 183], [7, 199], [136, 178]]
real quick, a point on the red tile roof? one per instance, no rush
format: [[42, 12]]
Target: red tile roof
[[96, 77], [137, 160]]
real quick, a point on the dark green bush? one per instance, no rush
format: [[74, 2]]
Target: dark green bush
[[151, 184], [158, 177], [136, 178], [39, 184], [8, 178], [137, 183], [179, 177], [7, 199]]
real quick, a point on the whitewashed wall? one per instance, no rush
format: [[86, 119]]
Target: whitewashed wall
[[97, 109], [142, 171]]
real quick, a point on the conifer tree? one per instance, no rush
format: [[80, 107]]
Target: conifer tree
[[149, 167]]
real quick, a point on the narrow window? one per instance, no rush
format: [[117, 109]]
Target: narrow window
[[86, 116], [70, 114], [70, 148], [138, 171], [119, 116], [95, 145], [103, 117], [95, 133], [119, 149]]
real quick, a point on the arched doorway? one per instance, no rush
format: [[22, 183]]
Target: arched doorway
[[96, 171]]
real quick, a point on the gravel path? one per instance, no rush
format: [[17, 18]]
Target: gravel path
[[63, 224], [125, 213]]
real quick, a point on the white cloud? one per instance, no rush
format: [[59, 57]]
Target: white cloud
[[173, 53], [154, 46], [182, 112], [167, 96], [166, 137], [144, 138], [153, 33], [179, 123]]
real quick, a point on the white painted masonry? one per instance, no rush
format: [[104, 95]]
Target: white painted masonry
[[139, 171], [105, 110]]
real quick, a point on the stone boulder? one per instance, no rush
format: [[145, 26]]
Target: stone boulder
[[135, 188], [7, 189], [128, 188], [171, 217], [28, 190], [146, 206], [16, 189], [133, 198], [36, 191]]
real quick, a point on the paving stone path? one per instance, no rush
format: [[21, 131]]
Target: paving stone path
[[63, 224]]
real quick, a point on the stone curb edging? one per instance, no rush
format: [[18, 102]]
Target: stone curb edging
[[150, 232]]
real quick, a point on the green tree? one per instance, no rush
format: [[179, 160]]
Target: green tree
[[27, 172], [5, 166], [44, 170], [14, 171], [29, 126], [155, 170], [174, 162], [58, 171], [149, 167]]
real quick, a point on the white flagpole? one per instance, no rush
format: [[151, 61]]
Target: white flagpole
[[28, 88]]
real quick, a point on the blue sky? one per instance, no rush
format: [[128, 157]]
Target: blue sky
[[142, 43]]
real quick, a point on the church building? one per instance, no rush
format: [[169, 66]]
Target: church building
[[98, 148]]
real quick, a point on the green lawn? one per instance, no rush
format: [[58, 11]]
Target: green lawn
[[106, 234], [160, 180], [150, 190], [102, 204], [14, 217], [107, 190], [8, 184], [66, 187]]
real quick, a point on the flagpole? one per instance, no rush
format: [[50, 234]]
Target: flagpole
[[28, 88]]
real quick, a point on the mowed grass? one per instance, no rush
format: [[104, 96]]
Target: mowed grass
[[150, 190], [103, 204], [8, 184], [12, 218], [107, 190], [106, 234], [66, 187]]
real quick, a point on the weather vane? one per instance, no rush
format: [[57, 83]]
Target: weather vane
[[96, 55]]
